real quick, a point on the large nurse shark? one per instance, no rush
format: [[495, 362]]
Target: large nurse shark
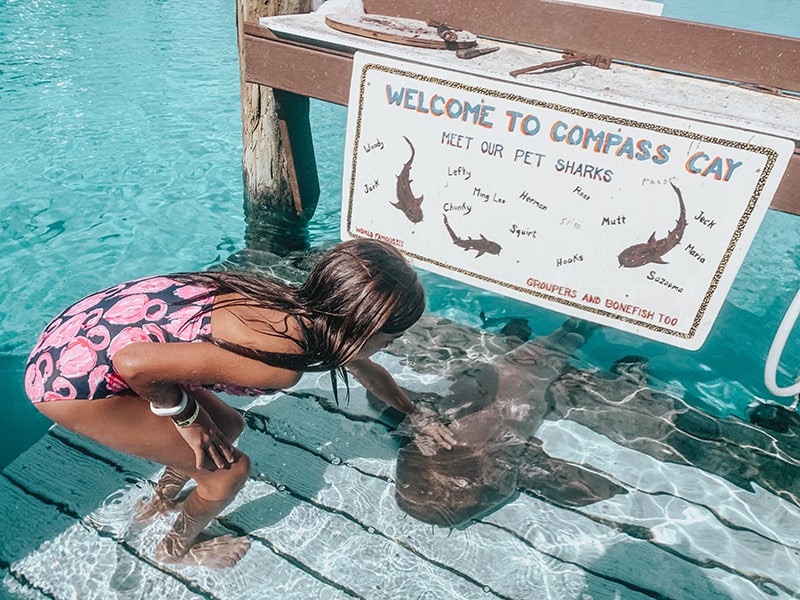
[[494, 408]]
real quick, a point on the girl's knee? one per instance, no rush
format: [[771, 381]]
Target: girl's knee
[[224, 483], [231, 423], [236, 426], [240, 470]]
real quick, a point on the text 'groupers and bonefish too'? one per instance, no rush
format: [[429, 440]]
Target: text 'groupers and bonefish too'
[[482, 114]]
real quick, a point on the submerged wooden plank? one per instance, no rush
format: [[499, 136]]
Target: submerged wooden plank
[[356, 557], [100, 495], [692, 568], [80, 564], [484, 559], [51, 552], [321, 515], [12, 589], [754, 510], [28, 523], [478, 553], [692, 513]]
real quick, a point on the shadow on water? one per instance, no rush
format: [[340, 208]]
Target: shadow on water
[[27, 424]]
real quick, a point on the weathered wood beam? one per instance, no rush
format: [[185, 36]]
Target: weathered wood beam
[[314, 71], [281, 187], [672, 44], [325, 73]]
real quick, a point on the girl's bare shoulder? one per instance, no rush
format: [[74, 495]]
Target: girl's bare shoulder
[[255, 326]]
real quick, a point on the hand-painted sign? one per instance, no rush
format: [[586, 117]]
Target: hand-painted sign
[[627, 218]]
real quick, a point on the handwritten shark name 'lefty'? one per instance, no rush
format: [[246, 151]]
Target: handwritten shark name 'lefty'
[[410, 205], [653, 250], [482, 245]]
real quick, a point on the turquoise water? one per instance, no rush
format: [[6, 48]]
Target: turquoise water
[[120, 157]]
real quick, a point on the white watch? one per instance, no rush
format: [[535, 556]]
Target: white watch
[[172, 410]]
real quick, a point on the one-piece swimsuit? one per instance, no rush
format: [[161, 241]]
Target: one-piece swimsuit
[[73, 358]]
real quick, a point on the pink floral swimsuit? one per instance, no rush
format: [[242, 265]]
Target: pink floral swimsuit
[[74, 356]]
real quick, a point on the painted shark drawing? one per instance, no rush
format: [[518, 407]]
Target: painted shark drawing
[[494, 409], [653, 250], [481, 245], [410, 205]]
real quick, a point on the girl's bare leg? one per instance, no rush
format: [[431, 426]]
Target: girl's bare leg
[[180, 544], [165, 496], [125, 423]]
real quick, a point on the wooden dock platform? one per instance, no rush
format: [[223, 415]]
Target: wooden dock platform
[[321, 514]]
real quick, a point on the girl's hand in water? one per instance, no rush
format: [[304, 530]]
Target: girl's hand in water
[[430, 433]]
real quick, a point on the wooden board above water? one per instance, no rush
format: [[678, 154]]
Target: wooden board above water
[[409, 32]]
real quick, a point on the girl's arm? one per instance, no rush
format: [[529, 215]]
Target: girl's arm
[[383, 386], [156, 372], [381, 383]]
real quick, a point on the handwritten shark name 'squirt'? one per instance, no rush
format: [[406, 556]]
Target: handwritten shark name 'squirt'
[[653, 250], [410, 205]]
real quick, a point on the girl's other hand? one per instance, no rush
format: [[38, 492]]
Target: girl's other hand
[[209, 445]]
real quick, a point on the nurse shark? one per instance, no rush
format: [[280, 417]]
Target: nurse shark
[[494, 408]]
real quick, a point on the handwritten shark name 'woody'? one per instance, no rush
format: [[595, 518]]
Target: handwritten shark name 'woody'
[[410, 205], [482, 245], [653, 250]]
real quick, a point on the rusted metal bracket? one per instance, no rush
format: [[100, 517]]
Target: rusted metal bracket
[[570, 59], [474, 52], [451, 35]]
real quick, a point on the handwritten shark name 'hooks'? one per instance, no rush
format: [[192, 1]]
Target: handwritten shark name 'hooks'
[[776, 350]]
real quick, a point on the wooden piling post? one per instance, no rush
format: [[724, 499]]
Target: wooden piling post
[[281, 187]]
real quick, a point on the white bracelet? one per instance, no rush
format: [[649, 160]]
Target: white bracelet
[[172, 410]]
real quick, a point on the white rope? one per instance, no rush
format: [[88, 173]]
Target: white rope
[[776, 350]]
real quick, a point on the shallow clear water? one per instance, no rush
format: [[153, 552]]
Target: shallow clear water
[[120, 157]]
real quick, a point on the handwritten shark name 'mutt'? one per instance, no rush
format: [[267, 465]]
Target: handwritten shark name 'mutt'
[[607, 221]]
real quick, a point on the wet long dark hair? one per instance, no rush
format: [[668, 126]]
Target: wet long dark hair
[[355, 289]]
